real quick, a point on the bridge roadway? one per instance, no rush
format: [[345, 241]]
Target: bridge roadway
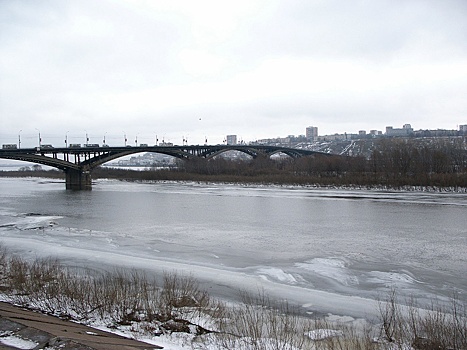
[[78, 162]]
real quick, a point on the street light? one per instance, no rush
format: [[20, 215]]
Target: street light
[[136, 140], [40, 140], [124, 136], [19, 138], [87, 137], [66, 139], [104, 139]]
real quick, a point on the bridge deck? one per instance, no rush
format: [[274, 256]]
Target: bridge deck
[[78, 162]]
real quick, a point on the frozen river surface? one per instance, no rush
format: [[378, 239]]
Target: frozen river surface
[[328, 250]]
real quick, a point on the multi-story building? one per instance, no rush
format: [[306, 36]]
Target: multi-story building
[[405, 131], [312, 133], [335, 137], [231, 139]]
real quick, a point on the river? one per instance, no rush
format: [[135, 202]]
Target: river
[[328, 250]]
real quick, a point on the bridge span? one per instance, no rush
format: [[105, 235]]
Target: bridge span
[[78, 162]]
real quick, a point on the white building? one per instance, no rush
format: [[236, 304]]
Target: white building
[[231, 139], [405, 131]]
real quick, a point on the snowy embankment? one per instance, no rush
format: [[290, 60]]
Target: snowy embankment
[[180, 315], [378, 188]]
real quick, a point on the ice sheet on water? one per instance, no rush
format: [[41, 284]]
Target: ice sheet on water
[[30, 221], [390, 278], [332, 268], [276, 274]]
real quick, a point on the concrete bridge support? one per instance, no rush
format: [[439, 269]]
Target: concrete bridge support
[[78, 180]]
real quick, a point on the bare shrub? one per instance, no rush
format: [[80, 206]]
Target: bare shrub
[[126, 296], [17, 275], [339, 336], [3, 268], [260, 323], [392, 327], [180, 291], [440, 327]]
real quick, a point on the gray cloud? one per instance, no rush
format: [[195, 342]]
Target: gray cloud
[[258, 69]]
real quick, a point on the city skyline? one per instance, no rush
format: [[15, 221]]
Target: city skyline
[[257, 69], [70, 138]]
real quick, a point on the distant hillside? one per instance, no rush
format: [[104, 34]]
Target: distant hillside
[[365, 147]]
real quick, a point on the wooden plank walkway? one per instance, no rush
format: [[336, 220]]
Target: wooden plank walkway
[[55, 333]]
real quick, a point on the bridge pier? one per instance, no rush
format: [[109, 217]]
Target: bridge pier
[[78, 180]]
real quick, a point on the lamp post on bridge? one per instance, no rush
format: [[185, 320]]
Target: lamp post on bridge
[[40, 140], [136, 140], [66, 139], [87, 137], [124, 136], [19, 138], [103, 141]]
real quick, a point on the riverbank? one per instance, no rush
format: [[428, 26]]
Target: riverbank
[[178, 315], [148, 176]]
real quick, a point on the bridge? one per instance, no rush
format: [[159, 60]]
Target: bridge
[[78, 162]]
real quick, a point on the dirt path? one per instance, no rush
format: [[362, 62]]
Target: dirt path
[[20, 327]]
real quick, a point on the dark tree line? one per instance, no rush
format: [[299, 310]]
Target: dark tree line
[[411, 158], [440, 163], [391, 163]]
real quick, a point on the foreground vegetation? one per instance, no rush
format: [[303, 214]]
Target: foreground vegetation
[[392, 163], [135, 302]]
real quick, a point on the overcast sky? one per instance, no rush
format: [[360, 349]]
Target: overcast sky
[[199, 69]]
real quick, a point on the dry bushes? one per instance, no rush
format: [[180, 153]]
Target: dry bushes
[[260, 323], [120, 296], [440, 327]]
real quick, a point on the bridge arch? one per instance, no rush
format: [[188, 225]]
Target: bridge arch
[[78, 163], [216, 152]]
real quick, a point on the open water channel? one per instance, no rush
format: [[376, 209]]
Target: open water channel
[[328, 250]]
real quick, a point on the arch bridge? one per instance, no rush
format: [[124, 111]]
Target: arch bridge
[[78, 162]]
